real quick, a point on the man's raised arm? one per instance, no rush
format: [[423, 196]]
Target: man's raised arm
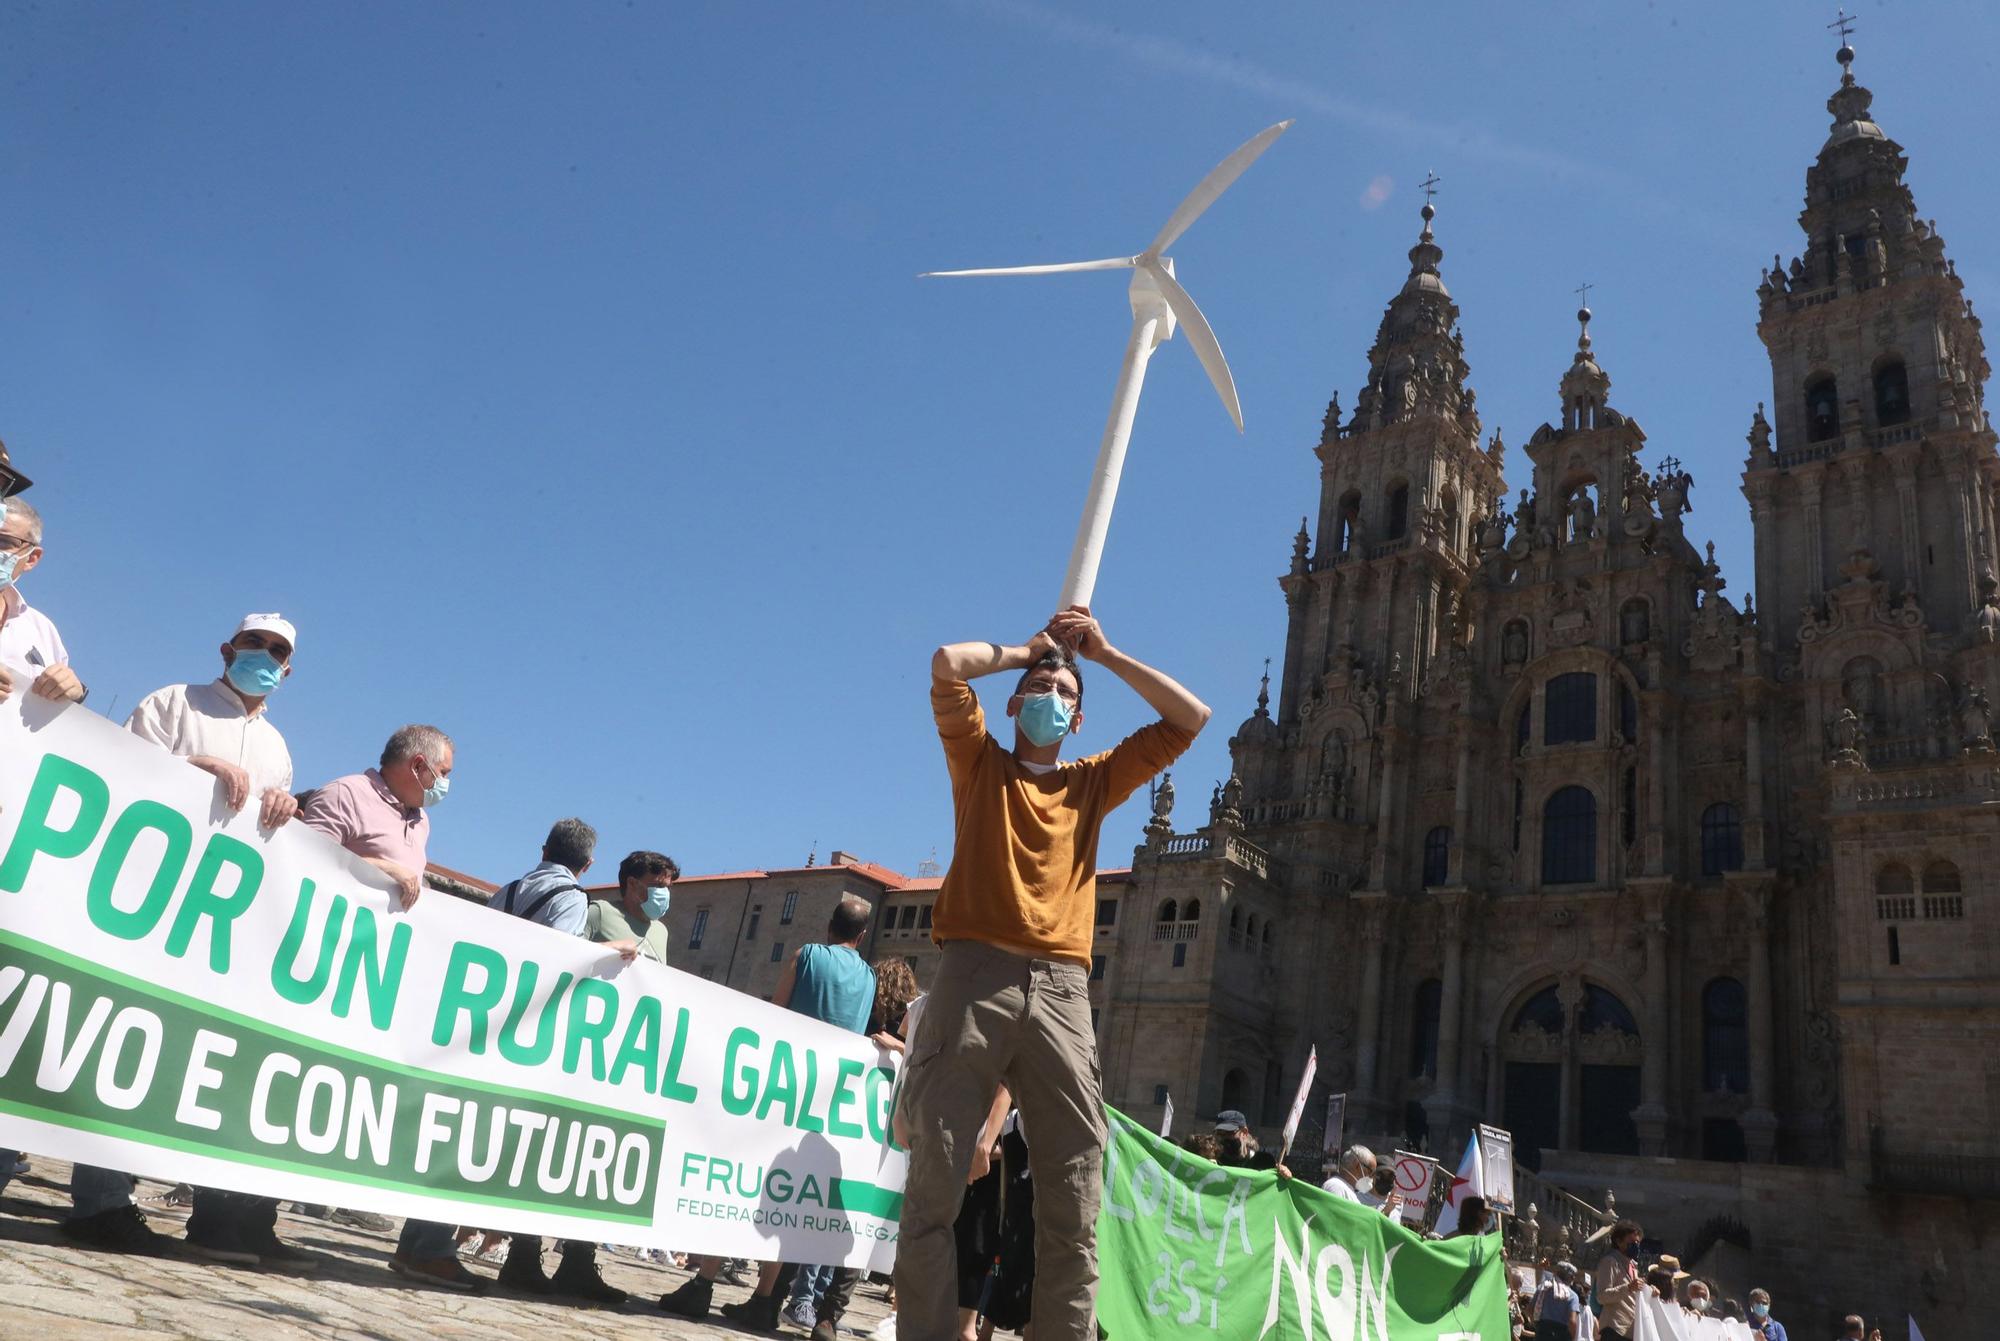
[[969, 661], [1163, 694]]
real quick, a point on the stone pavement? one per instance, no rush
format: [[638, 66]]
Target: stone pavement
[[52, 1290]]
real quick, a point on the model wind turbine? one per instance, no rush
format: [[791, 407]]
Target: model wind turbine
[[1158, 302]]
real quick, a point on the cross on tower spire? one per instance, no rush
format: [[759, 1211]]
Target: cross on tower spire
[[1582, 292], [1430, 186], [1844, 25]]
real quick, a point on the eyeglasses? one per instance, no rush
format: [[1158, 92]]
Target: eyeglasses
[[15, 544]]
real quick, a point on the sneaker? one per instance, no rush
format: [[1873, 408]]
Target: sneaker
[[177, 1200], [379, 1224], [885, 1330], [442, 1271], [799, 1313], [757, 1313], [826, 1329], [523, 1271], [692, 1300], [578, 1277], [21, 1168], [732, 1272], [122, 1229], [223, 1243]]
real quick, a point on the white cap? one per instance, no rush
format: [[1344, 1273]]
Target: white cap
[[277, 624]]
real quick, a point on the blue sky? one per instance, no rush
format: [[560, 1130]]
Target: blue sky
[[562, 369]]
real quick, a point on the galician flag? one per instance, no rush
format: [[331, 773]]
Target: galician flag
[[1470, 1181]]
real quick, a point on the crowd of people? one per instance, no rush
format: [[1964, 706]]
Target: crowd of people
[[999, 1104]]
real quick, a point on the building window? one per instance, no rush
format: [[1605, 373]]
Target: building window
[[1628, 713], [1107, 912], [756, 916], [1895, 894], [1437, 857], [1097, 968], [1267, 940], [1424, 1029], [791, 907], [924, 918], [1725, 1038], [909, 917], [1822, 409], [1569, 837], [777, 951], [1169, 912], [699, 930], [1721, 839], [1519, 791], [1350, 522], [1569, 708], [1892, 394], [1192, 911], [1943, 898], [1522, 726], [1180, 953], [1895, 946], [1399, 512]]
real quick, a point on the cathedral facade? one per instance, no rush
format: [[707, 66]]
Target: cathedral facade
[[1545, 830]]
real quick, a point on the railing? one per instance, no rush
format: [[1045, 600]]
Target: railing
[[1549, 1220], [1388, 547], [1185, 845], [1249, 856], [1176, 931], [1896, 751], [1975, 1176], [1799, 456]]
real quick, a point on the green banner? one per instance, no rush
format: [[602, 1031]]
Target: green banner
[[1189, 1249]]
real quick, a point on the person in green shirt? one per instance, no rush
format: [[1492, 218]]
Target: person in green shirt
[[638, 916]]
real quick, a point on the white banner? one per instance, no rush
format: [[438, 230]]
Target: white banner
[[1657, 1319], [189, 998]]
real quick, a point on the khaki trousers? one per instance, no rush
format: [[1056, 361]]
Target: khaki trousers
[[996, 1017]]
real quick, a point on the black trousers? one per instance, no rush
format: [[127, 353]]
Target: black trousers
[[220, 1212]]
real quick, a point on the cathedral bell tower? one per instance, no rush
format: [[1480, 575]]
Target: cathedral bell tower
[[1883, 456]]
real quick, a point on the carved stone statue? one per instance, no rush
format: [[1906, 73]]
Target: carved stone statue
[[1975, 720], [1514, 643], [1163, 798], [1582, 516], [1847, 736]]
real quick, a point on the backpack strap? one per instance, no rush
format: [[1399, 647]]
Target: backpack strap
[[541, 903]]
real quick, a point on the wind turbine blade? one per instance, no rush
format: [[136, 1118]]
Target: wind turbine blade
[[1195, 326], [1213, 185], [1109, 263]]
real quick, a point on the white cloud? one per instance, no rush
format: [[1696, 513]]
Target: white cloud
[[1376, 194]]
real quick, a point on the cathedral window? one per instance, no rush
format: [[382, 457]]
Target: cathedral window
[[1895, 893], [1635, 621], [1569, 837], [1822, 409], [1518, 789], [1448, 505], [1233, 1084], [1725, 1038], [1942, 898], [1628, 713], [1892, 393], [1192, 911], [1424, 1028], [1437, 856], [1235, 928], [1569, 708], [1543, 1010], [1521, 726], [1721, 839], [1350, 521], [1399, 512], [1169, 912]]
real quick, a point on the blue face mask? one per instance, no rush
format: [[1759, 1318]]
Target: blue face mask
[[657, 898], [254, 673], [439, 788], [1759, 1310], [1044, 718], [8, 563]]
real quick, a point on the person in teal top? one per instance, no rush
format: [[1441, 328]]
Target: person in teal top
[[832, 982]]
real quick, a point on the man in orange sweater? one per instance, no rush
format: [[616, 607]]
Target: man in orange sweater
[[1011, 1003]]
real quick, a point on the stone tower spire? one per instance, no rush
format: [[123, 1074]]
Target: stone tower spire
[[1402, 483], [1878, 372]]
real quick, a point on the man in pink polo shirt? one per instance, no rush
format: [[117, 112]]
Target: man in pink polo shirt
[[380, 817]]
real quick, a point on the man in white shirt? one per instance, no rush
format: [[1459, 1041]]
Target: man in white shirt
[[1357, 1165], [223, 728], [32, 655]]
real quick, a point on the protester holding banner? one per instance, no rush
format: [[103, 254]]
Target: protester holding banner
[[381, 817], [1015, 916], [1557, 1307], [32, 657], [1618, 1282], [1357, 1165], [1236, 1144], [831, 983], [551, 896], [224, 729], [639, 914]]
